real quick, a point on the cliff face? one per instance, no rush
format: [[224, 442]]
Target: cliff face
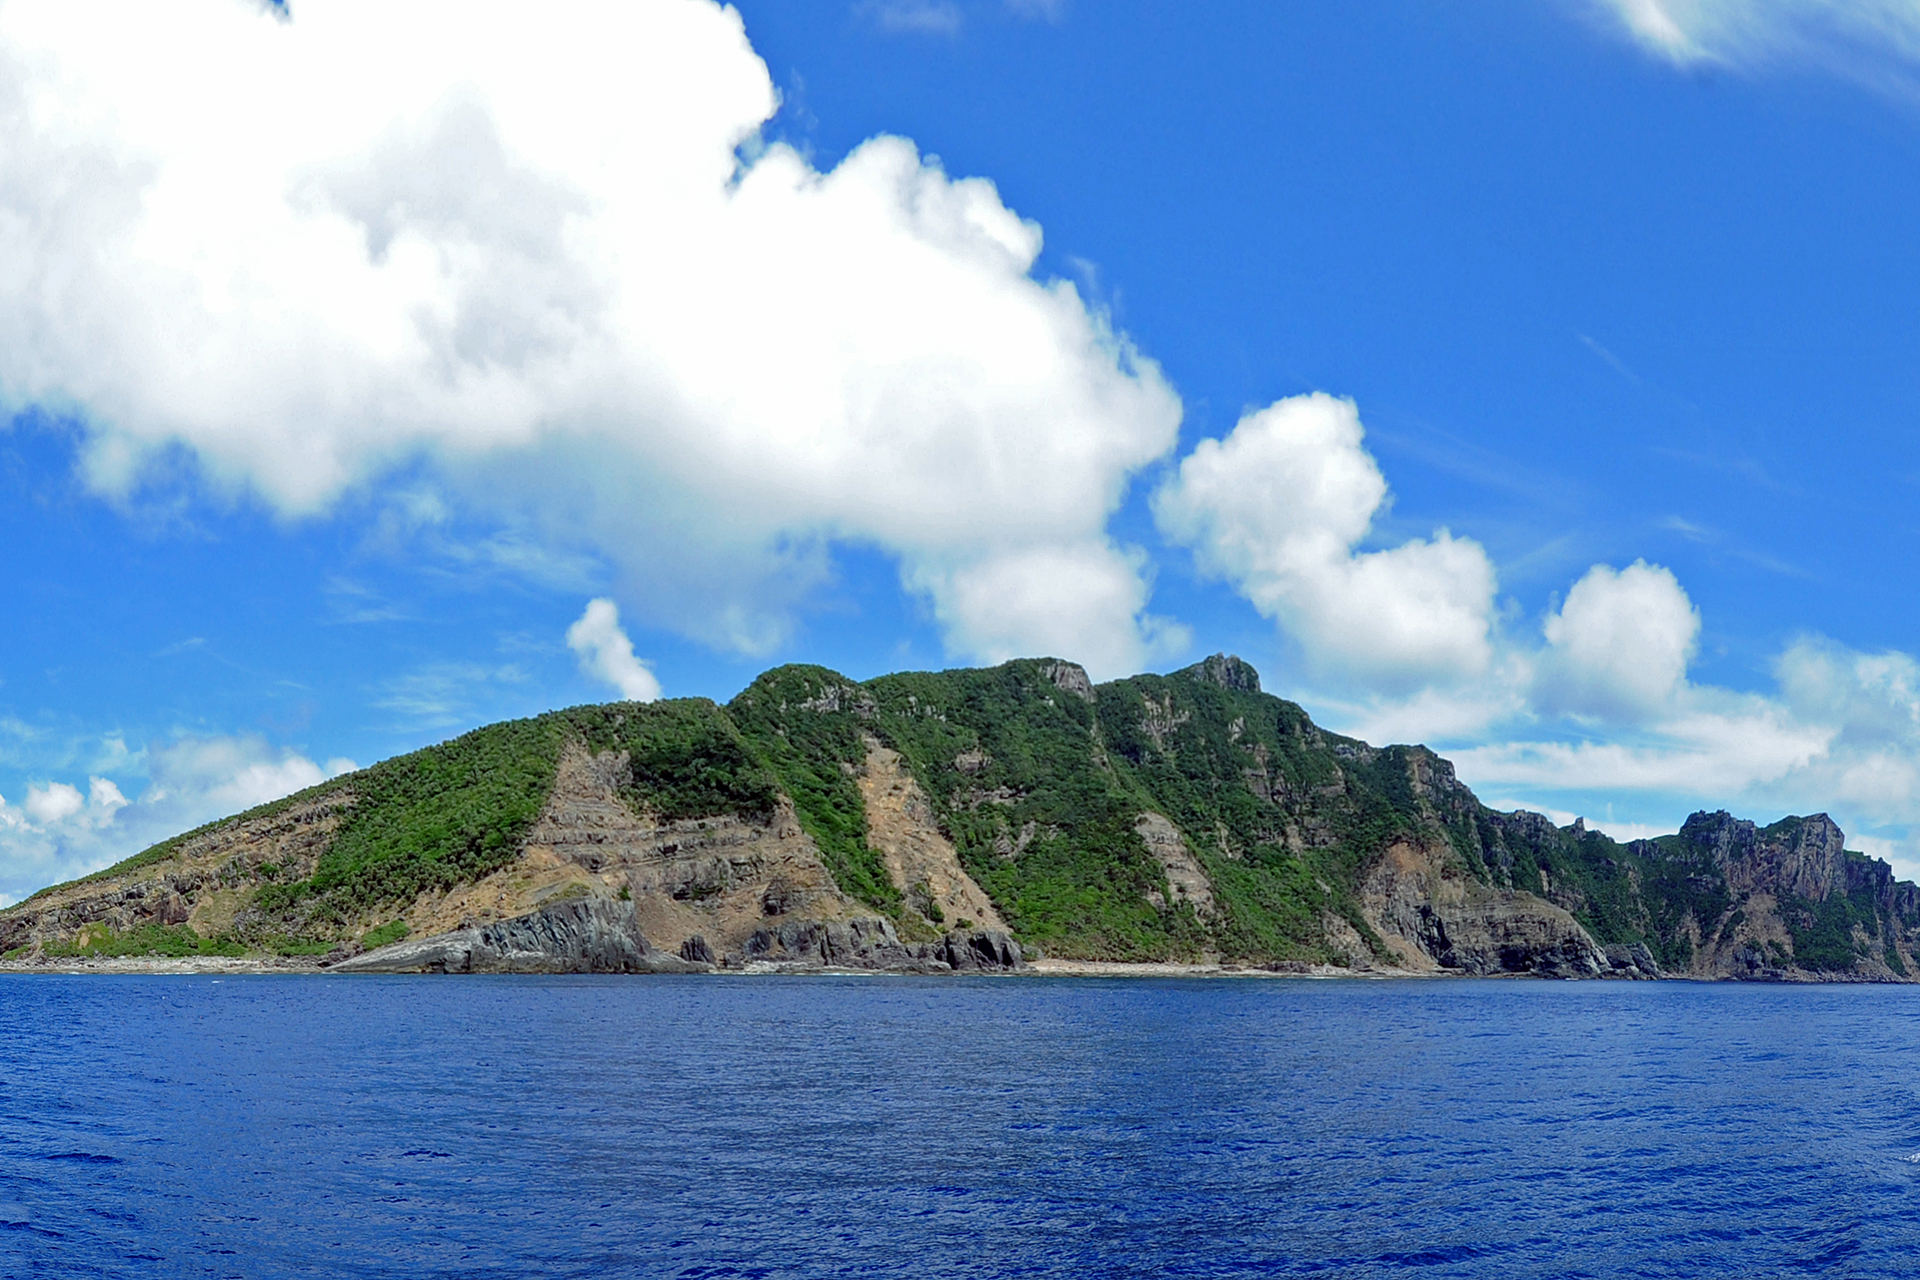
[[926, 821], [1722, 898]]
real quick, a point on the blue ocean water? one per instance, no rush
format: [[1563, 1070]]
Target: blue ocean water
[[768, 1127]]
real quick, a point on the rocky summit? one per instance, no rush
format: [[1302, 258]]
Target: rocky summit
[[964, 821]]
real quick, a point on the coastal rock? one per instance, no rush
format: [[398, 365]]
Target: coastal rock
[[1632, 961], [874, 944], [983, 951], [594, 935], [1436, 918]]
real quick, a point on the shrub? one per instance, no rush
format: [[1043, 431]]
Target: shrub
[[381, 935]]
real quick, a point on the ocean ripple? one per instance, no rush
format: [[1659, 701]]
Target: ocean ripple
[[755, 1127]]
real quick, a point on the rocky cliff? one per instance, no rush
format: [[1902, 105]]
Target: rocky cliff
[[944, 821]]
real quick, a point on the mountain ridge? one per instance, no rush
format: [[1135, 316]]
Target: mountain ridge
[[936, 820]]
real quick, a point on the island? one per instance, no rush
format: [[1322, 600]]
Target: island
[[966, 821]]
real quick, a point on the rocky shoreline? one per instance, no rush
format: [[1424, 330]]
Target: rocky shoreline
[[1040, 967]]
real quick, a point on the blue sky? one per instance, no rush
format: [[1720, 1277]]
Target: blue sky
[[1534, 380]]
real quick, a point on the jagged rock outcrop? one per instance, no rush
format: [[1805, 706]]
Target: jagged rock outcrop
[[1434, 917], [873, 944], [602, 935], [1788, 902], [1226, 671], [591, 935], [1070, 677], [1804, 860]]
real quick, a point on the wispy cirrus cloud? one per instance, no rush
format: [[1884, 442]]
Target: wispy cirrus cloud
[[444, 695], [1872, 40], [915, 17]]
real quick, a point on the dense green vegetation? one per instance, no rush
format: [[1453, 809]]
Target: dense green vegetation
[[1041, 787], [175, 942], [426, 822], [381, 935], [1223, 764], [1012, 766], [686, 758], [1823, 932], [794, 719]]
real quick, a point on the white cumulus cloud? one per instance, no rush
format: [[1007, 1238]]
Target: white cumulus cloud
[[1279, 507], [605, 652], [54, 802], [1620, 645], [1084, 602], [229, 774], [548, 254]]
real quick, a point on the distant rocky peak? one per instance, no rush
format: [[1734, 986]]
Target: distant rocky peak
[[1719, 834], [1227, 671], [1069, 677], [1819, 832], [1804, 857]]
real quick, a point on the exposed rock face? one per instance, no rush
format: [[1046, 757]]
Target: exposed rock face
[[602, 935], [1434, 917], [593, 935], [1070, 677], [1789, 903], [1806, 863], [919, 856], [725, 860], [1185, 876], [1895, 899], [873, 944], [717, 878], [1227, 671]]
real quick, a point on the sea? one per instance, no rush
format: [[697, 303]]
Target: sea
[[704, 1127]]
